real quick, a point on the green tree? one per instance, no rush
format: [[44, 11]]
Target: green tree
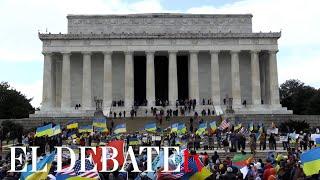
[[295, 95], [13, 104], [314, 104], [11, 130]]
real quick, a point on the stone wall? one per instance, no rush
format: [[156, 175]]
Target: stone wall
[[139, 122], [156, 23]]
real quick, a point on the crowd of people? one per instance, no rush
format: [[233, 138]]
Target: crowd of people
[[215, 148]]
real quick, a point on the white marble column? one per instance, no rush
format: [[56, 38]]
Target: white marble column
[[173, 78], [129, 84], [215, 78], [65, 86], [86, 82], [48, 83], [193, 76], [107, 79], [273, 78], [255, 78], [150, 84], [235, 78]]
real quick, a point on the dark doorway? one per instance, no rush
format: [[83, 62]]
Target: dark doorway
[[182, 68], [139, 80], [161, 78]]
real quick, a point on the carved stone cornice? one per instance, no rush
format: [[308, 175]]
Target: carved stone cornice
[[44, 37]]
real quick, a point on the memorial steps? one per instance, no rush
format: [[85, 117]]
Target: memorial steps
[[136, 123]]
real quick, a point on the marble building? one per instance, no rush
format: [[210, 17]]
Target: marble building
[[139, 57]]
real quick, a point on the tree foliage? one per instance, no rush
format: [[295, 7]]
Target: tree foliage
[[11, 130], [300, 98], [13, 104], [292, 125]]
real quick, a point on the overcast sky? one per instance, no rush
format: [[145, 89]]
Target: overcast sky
[[21, 61]]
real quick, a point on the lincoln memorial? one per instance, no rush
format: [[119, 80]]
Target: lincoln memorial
[[147, 59]]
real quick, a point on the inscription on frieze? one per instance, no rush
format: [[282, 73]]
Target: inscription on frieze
[[171, 23]]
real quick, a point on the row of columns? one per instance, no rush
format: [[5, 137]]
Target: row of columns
[[48, 84]]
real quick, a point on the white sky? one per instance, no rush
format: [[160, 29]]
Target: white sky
[[299, 21]]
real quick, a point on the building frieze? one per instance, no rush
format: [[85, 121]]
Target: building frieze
[[102, 36]]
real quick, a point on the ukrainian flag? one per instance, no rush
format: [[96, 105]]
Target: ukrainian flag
[[182, 129], [213, 126], [101, 129], [44, 130], [99, 122], [72, 134], [72, 125], [151, 127], [56, 130], [311, 161], [120, 128], [85, 129], [44, 165], [202, 129], [174, 127]]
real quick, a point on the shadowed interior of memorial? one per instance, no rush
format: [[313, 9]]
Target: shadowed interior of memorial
[[161, 65], [182, 73], [139, 79]]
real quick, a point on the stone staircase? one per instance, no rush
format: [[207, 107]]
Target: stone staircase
[[141, 110]]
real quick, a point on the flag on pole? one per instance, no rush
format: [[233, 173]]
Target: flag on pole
[[99, 122], [72, 125], [213, 126], [120, 128], [150, 127], [174, 127], [56, 130], [44, 131], [101, 129], [182, 129], [85, 129], [202, 128], [224, 124]]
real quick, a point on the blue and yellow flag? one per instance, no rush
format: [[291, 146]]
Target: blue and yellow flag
[[44, 131], [120, 128], [213, 126], [85, 129], [311, 161], [174, 127], [56, 130], [202, 128], [101, 129], [99, 122], [72, 125], [150, 127], [44, 165], [182, 129]]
